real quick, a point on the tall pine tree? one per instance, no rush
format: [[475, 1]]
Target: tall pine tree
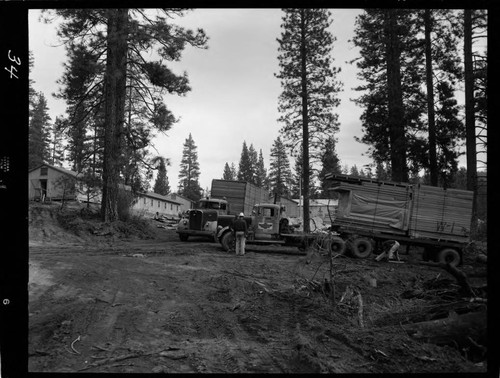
[[228, 173], [56, 144], [189, 174], [330, 163], [386, 38], [402, 52], [246, 169], [280, 175], [260, 173], [39, 133], [254, 162], [161, 185], [120, 40], [309, 84]]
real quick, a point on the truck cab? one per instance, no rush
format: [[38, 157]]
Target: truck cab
[[221, 205], [266, 221], [203, 219]]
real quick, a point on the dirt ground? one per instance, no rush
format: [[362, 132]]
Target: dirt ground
[[99, 302]]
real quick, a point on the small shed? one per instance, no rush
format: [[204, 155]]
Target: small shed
[[47, 182]]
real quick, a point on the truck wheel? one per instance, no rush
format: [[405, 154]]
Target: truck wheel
[[361, 247], [183, 237], [227, 241], [448, 256], [337, 245]]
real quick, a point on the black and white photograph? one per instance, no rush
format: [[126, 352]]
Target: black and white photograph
[[255, 190]]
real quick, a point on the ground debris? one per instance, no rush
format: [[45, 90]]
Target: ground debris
[[264, 313]]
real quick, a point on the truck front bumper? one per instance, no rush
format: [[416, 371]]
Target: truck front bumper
[[196, 233]]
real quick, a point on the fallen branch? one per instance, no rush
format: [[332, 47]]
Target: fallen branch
[[460, 276], [100, 348], [111, 360], [454, 329], [72, 347], [360, 310]]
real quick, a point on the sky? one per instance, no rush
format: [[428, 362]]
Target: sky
[[234, 96]]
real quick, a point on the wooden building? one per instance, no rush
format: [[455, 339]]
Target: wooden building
[[47, 182], [149, 203], [50, 183]]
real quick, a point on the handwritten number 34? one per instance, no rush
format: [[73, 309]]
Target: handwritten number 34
[[12, 68]]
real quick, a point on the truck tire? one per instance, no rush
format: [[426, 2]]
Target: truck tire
[[361, 247], [448, 256], [183, 237], [227, 241], [337, 245]]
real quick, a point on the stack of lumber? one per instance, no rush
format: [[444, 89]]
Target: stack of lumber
[[420, 211], [241, 195], [373, 206], [442, 214]]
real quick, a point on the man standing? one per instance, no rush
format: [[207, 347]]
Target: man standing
[[240, 232]]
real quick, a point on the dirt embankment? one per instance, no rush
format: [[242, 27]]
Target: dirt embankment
[[121, 299]]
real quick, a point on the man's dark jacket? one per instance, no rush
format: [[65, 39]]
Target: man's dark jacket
[[240, 224]]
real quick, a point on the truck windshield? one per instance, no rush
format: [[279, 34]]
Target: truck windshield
[[264, 211], [211, 205]]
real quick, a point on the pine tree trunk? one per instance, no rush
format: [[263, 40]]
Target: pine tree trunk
[[305, 126], [430, 100], [115, 88], [397, 136], [470, 127]]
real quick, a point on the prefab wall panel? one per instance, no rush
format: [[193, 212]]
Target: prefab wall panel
[[443, 214], [420, 211], [241, 195]]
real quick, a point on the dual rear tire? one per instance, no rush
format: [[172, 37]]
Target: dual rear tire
[[360, 247]]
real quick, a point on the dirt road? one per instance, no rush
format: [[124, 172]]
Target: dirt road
[[167, 306]]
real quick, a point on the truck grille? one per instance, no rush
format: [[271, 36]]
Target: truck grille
[[195, 220]]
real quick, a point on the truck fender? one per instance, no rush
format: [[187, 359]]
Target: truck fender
[[222, 231]]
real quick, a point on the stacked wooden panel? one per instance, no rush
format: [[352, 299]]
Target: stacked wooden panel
[[241, 195], [429, 212], [441, 214], [373, 206]]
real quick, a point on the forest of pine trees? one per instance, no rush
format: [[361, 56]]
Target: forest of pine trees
[[413, 66]]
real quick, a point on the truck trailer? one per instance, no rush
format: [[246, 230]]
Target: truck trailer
[[371, 212]]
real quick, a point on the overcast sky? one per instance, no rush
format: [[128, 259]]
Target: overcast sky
[[234, 95]]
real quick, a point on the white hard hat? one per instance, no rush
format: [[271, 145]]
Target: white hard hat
[[242, 215]]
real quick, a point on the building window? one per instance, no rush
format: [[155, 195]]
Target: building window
[[144, 201], [44, 171], [171, 206], [165, 205], [158, 203], [151, 202]]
